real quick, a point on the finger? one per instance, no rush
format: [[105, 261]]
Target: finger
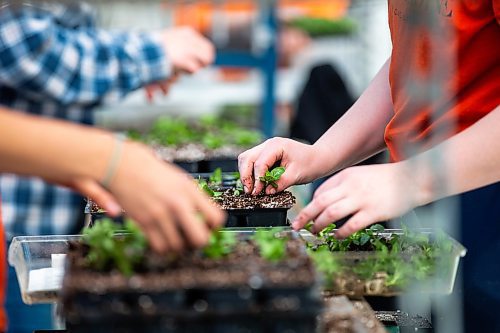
[[333, 213], [245, 167], [164, 87], [206, 56], [213, 216], [327, 185], [357, 222], [169, 232], [100, 195], [264, 162], [316, 207], [196, 232], [283, 183], [155, 238], [191, 65]]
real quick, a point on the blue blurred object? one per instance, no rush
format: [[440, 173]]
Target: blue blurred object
[[25, 318]]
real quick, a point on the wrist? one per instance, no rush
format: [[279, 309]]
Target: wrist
[[421, 181]]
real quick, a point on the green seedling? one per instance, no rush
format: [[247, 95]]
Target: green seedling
[[215, 179], [220, 245], [109, 250], [172, 132], [402, 258], [203, 185], [325, 262], [271, 177], [271, 247]]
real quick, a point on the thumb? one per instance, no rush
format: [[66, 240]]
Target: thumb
[[99, 194]]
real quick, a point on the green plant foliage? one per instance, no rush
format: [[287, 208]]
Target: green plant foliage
[[324, 262], [319, 27], [107, 249], [271, 247], [205, 187], [399, 258], [210, 131], [220, 245], [215, 179], [271, 177], [171, 131], [213, 141]]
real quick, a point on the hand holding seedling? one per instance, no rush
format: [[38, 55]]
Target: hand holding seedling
[[271, 177], [297, 158]]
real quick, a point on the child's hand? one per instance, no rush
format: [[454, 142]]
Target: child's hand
[[368, 194], [162, 86], [292, 155], [187, 50]]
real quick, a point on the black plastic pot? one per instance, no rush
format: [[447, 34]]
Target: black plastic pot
[[208, 166], [225, 164], [260, 217], [189, 167]]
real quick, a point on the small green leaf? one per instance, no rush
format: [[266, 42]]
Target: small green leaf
[[277, 172]]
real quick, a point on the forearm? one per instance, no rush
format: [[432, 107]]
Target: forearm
[[50, 149], [359, 134], [76, 66], [466, 161]]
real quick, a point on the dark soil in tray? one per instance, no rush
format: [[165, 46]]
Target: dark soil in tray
[[228, 201], [242, 267], [241, 292]]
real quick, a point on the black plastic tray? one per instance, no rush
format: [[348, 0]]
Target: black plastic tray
[[296, 322], [190, 167], [207, 166], [236, 218], [260, 217], [225, 164]]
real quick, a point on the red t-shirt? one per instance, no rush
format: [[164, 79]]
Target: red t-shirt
[[443, 79]]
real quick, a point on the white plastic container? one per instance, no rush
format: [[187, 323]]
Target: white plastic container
[[39, 263]]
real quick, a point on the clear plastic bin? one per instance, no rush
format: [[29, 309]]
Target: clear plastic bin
[[347, 280], [39, 263]]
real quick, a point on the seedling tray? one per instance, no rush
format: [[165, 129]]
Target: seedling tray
[[351, 276], [234, 296], [207, 166]]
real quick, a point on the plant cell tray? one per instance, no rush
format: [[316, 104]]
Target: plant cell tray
[[207, 166], [244, 293], [259, 217], [354, 275]]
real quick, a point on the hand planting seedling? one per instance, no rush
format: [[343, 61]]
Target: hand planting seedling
[[271, 177], [271, 247]]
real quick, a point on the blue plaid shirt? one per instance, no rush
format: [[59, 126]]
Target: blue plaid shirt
[[54, 62]]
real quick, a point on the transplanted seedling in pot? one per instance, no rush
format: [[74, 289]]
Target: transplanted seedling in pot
[[245, 210]]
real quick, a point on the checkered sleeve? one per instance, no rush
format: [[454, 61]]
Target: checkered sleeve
[[44, 59]]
